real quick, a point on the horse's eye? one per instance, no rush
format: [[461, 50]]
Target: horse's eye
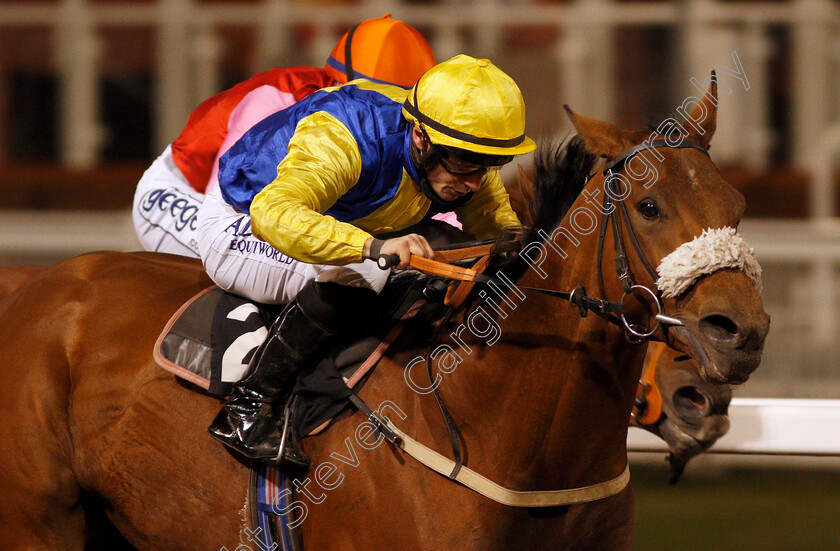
[[648, 209]]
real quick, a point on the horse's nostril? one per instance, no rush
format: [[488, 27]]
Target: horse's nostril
[[690, 402], [721, 328], [722, 322]]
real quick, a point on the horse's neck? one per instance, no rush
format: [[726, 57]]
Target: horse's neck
[[544, 387]]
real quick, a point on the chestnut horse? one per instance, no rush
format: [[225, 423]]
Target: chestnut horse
[[688, 413], [676, 404], [541, 404]]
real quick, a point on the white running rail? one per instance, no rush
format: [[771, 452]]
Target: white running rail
[[769, 426]]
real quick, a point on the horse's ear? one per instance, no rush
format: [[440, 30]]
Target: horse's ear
[[703, 118], [601, 138]]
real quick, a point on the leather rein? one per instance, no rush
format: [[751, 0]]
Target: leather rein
[[610, 310]]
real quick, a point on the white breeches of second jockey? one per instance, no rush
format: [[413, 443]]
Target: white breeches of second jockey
[[165, 209], [242, 264]]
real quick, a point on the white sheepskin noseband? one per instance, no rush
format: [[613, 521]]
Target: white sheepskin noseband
[[714, 250]]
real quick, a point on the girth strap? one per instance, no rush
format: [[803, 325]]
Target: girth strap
[[447, 417], [381, 423]]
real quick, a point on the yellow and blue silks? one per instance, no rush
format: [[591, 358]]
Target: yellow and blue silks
[[323, 176]]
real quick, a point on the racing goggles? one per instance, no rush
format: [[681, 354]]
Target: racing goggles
[[460, 162]]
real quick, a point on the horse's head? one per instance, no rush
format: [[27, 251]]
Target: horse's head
[[675, 218], [676, 404]]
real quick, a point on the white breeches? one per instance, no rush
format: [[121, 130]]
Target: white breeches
[[166, 208], [242, 264]]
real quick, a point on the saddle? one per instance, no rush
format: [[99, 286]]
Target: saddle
[[209, 342]]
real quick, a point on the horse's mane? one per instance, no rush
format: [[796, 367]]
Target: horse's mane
[[561, 169]]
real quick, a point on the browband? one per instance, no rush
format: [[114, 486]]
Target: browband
[[627, 153]]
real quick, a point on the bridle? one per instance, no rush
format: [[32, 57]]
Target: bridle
[[612, 311], [622, 265]]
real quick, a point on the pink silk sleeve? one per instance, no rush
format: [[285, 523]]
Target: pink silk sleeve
[[254, 107]]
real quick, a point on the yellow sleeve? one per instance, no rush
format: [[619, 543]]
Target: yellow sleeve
[[488, 212], [322, 164]]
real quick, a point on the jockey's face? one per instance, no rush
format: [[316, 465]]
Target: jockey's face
[[449, 178], [451, 186]]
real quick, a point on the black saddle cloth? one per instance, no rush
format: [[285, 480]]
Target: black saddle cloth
[[211, 341]]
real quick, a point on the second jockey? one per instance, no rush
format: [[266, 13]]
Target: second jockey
[[170, 192]]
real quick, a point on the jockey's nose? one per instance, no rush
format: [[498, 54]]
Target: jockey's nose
[[473, 181]]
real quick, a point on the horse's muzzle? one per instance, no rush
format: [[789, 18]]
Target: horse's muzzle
[[727, 335]]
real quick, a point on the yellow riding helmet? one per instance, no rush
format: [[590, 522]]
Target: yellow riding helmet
[[470, 104], [382, 50]]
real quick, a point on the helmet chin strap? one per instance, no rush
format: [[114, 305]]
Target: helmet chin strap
[[348, 58], [425, 161]]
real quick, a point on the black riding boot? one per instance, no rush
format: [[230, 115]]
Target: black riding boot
[[246, 423]]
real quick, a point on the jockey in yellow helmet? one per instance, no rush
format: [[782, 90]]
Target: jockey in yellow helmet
[[321, 182]]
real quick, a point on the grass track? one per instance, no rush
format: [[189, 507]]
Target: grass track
[[743, 509]]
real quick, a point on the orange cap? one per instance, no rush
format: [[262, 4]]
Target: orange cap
[[382, 50]]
